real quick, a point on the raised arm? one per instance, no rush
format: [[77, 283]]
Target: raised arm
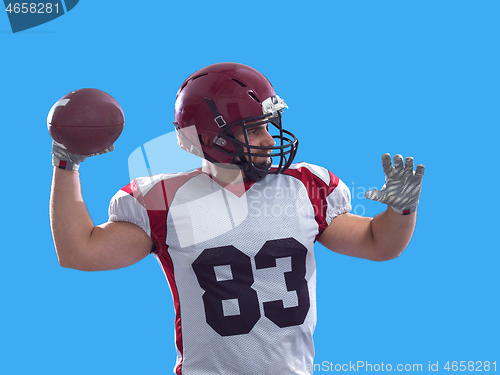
[[386, 235], [81, 245], [383, 237]]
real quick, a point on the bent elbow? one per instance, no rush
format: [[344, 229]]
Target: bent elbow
[[385, 256], [65, 259]]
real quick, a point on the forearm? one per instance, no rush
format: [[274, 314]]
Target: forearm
[[69, 219], [391, 233]]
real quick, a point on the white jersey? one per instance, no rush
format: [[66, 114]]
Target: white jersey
[[239, 261]]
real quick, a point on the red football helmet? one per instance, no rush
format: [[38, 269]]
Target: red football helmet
[[220, 98]]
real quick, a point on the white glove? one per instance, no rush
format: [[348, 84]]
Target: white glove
[[64, 159], [402, 185]]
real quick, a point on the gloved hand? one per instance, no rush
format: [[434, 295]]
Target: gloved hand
[[64, 159], [402, 185]]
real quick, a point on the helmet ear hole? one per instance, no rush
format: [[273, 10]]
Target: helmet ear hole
[[205, 140]]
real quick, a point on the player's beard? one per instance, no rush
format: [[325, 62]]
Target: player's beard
[[262, 164]]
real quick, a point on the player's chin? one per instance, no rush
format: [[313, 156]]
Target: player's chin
[[262, 162]]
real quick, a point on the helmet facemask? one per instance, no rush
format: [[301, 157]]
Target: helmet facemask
[[285, 146]]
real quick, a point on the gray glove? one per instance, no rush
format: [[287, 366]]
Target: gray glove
[[402, 185], [64, 159]]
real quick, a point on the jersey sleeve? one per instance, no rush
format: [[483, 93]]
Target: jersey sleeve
[[339, 201], [126, 206], [329, 196], [333, 198]]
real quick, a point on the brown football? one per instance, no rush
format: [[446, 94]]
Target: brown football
[[86, 121]]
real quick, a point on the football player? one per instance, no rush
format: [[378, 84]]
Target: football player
[[235, 238]]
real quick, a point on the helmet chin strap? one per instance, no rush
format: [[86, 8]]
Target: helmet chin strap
[[254, 172]]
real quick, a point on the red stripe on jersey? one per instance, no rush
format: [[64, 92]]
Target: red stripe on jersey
[[157, 201], [317, 190], [133, 189], [168, 269]]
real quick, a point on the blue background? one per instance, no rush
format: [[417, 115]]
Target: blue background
[[361, 78]]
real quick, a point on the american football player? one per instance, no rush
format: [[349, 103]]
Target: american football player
[[235, 238]]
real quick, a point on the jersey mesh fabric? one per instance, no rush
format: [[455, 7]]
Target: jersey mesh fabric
[[239, 263]]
